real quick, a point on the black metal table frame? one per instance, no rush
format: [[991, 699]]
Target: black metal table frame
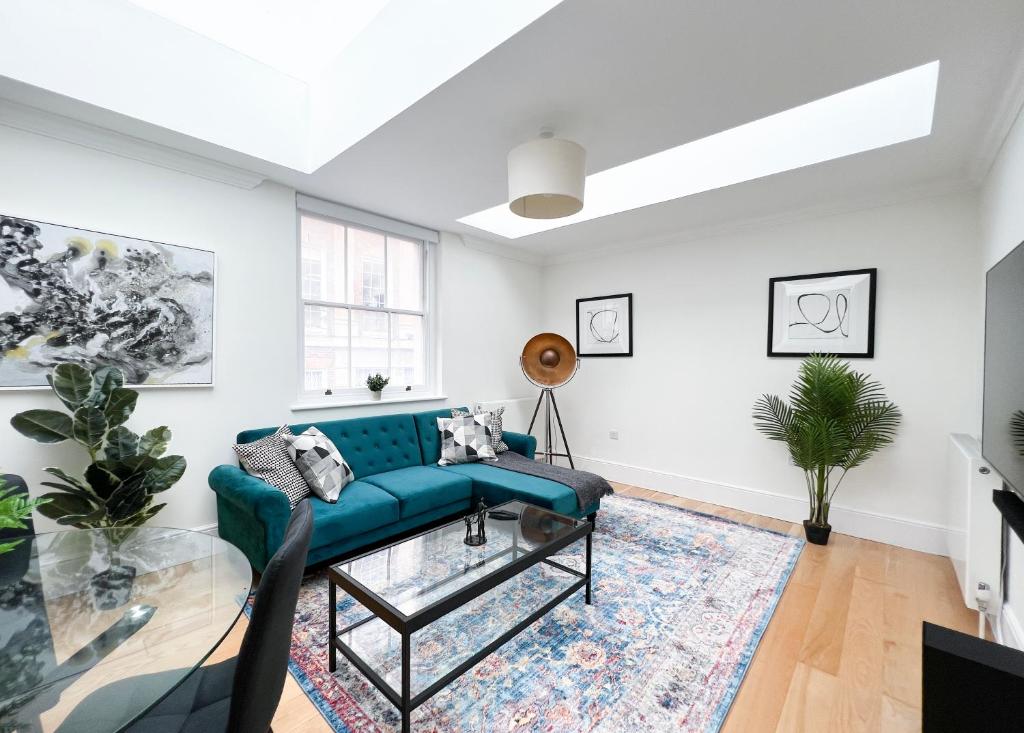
[[406, 625]]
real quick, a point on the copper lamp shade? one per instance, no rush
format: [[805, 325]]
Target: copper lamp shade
[[549, 360]]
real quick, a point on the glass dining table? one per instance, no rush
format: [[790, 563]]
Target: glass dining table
[[83, 611]]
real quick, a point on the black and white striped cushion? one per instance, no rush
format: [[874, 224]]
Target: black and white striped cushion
[[496, 424], [268, 459]]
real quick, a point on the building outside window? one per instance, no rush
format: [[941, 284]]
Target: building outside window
[[364, 309]]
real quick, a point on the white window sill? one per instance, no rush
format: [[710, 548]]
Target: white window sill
[[362, 401]]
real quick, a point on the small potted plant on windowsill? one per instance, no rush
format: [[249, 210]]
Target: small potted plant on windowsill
[[836, 419], [376, 383]]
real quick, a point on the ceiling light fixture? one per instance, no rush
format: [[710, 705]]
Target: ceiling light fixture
[[546, 178], [880, 113]]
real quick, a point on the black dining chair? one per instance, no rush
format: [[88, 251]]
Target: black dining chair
[[238, 695]]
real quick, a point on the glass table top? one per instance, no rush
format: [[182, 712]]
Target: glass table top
[[422, 570], [83, 609]]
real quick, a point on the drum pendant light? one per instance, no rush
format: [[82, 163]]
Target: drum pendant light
[[546, 178]]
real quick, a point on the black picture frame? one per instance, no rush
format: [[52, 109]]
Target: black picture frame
[[629, 325], [868, 353]]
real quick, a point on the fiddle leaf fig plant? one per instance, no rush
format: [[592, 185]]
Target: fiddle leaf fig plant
[[126, 470]]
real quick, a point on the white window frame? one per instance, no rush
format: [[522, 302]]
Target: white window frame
[[358, 394]]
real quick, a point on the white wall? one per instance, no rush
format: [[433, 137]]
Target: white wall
[[252, 233], [682, 404], [490, 305], [1002, 229]]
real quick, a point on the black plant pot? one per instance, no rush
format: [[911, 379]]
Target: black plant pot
[[817, 534], [112, 588]]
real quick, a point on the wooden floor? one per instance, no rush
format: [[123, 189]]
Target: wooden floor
[[842, 652]]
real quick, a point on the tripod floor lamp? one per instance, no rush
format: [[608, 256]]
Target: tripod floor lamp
[[549, 361]]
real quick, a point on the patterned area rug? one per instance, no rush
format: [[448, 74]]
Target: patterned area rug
[[681, 600]]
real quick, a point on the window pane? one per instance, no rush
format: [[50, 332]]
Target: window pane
[[408, 355], [323, 260], [366, 268], [326, 344], [405, 274], [369, 345]]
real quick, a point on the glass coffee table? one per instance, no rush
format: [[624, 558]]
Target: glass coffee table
[[437, 606]]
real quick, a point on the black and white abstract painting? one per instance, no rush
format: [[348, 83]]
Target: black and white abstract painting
[[604, 325], [824, 313], [73, 295]]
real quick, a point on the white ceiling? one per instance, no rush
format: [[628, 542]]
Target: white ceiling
[[220, 73], [627, 79], [298, 37]]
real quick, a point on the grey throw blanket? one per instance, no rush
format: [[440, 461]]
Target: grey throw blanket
[[589, 487]]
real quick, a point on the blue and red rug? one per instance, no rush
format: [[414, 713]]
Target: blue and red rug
[[681, 602]]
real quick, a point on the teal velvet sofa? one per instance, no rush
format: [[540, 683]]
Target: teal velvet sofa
[[398, 487]]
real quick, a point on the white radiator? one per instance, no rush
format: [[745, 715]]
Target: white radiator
[[975, 525]]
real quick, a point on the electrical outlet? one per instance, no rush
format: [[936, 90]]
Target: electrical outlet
[[613, 434]]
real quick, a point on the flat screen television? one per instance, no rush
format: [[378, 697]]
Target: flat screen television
[[1002, 433]]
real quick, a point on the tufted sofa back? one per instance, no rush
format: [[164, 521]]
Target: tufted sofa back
[[430, 437], [370, 445]]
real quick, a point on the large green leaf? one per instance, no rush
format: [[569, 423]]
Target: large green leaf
[[72, 383], [84, 493], [60, 504], [64, 476], [90, 426], [128, 499], [104, 381], [155, 441], [120, 405], [167, 471], [145, 515], [84, 521], [44, 426], [102, 480], [130, 465], [120, 443]]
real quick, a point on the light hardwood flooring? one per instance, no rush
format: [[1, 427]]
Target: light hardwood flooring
[[842, 652]]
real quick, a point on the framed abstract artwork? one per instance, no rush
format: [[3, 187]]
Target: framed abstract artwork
[[604, 325], [824, 313], [74, 295]]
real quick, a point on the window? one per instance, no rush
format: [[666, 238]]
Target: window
[[364, 308]]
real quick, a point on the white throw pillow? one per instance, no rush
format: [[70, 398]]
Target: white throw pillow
[[465, 439]]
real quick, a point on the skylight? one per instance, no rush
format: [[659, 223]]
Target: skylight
[[298, 37], [883, 112]]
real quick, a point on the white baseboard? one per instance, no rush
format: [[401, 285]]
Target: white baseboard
[[1010, 631], [900, 531]]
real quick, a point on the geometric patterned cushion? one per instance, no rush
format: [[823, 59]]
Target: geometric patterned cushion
[[497, 428], [268, 459], [320, 463], [465, 439]]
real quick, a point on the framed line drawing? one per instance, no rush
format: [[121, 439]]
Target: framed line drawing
[[604, 325], [823, 313]]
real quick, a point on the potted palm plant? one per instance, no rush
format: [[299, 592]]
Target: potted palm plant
[[835, 420], [15, 511]]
